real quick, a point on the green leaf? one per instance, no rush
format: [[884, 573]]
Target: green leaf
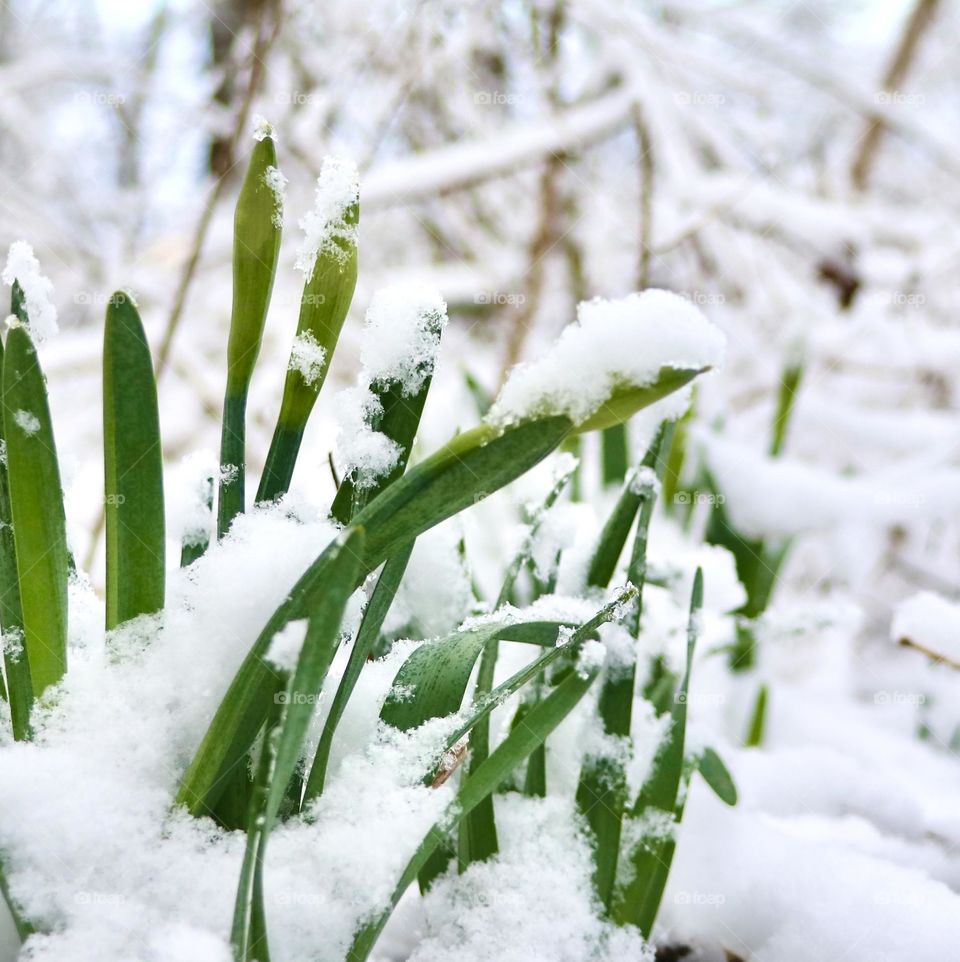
[[19, 689], [605, 556], [399, 422], [627, 400], [717, 776], [373, 618], [470, 467], [295, 696], [650, 858], [511, 752], [246, 705], [36, 499], [323, 309], [602, 790], [758, 719], [467, 469], [256, 245], [133, 468]]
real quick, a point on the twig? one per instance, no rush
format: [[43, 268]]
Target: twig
[[914, 29]]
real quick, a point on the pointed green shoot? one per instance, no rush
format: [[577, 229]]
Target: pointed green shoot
[[36, 500], [256, 245], [133, 468]]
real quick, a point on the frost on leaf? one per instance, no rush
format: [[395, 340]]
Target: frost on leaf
[[27, 421], [325, 228], [262, 128], [23, 267], [307, 357], [274, 179]]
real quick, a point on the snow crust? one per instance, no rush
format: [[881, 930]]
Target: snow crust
[[325, 227], [23, 266], [614, 344]]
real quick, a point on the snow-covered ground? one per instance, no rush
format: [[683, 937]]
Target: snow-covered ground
[[715, 151]]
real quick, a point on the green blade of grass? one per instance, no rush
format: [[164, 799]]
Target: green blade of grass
[[16, 664], [651, 857], [602, 790], [256, 246], [758, 719], [467, 469], [133, 468], [246, 705], [196, 546], [295, 695], [511, 752], [613, 537], [626, 401], [399, 422], [367, 634], [717, 776], [36, 500], [323, 309]]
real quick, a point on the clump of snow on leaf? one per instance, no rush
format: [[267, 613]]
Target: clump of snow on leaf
[[365, 452], [27, 421], [613, 345], [402, 335], [275, 180], [307, 357], [262, 128], [325, 228], [22, 266], [401, 339], [286, 644]]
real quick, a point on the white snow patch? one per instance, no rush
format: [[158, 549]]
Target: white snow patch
[[275, 180], [402, 335], [931, 621], [325, 228], [27, 421], [307, 357], [613, 344], [23, 266], [360, 449], [286, 645]]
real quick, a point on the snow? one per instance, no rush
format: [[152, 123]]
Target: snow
[[27, 421], [360, 449], [307, 358], [285, 646], [325, 227], [401, 335], [276, 182], [399, 345], [262, 128], [23, 266], [930, 622], [614, 344]]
